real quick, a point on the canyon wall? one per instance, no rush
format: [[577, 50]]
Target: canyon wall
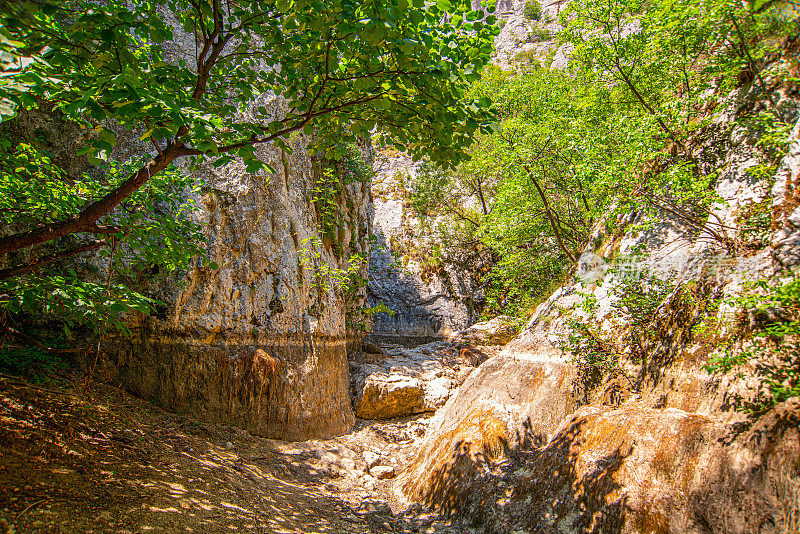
[[431, 297], [260, 342]]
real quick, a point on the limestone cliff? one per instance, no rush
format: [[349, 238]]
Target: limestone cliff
[[430, 296], [260, 342]]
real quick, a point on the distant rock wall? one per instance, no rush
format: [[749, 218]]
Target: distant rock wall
[[516, 33], [427, 303]]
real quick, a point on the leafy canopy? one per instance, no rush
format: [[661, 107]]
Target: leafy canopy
[[332, 68], [617, 134], [343, 67], [210, 80]]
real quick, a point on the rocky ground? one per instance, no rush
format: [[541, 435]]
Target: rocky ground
[[393, 381], [78, 457]]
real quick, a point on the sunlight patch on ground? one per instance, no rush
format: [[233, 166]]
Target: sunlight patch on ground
[[175, 487], [157, 509], [232, 506]]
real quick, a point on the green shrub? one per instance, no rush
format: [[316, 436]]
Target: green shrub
[[35, 363], [639, 300], [528, 57], [755, 223], [658, 316], [533, 10], [772, 325], [330, 179], [591, 354], [538, 34]]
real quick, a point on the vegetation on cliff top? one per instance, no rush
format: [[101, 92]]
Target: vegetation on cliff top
[[634, 129]]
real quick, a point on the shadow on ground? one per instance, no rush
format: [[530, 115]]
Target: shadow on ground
[[533, 488], [100, 461]]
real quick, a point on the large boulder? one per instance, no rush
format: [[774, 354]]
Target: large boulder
[[511, 452], [632, 469], [508, 403], [497, 331], [403, 381]]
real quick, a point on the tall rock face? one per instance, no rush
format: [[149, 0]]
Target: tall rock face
[[519, 36], [260, 342]]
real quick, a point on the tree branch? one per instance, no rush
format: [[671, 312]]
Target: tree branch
[[86, 220], [747, 52], [44, 260], [153, 139], [635, 90], [550, 217]]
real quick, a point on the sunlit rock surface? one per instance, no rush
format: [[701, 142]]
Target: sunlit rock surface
[[497, 331], [511, 453], [405, 381], [658, 444], [507, 403], [632, 469], [261, 342]]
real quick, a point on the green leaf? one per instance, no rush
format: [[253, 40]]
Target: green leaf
[[254, 167], [223, 160]]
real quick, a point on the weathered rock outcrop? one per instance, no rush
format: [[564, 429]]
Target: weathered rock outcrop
[[497, 331], [633, 469], [506, 404], [261, 342], [511, 453], [516, 34], [402, 382], [657, 443]]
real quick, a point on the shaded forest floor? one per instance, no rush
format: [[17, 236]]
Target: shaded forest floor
[[93, 459]]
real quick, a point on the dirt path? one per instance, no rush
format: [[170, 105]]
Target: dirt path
[[99, 461]]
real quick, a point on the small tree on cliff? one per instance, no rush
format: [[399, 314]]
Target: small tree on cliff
[[342, 68]]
